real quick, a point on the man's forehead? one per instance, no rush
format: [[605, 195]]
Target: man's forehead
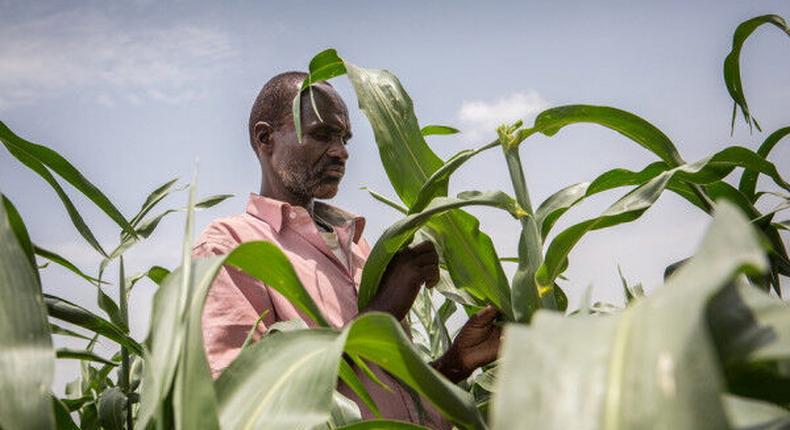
[[327, 102]]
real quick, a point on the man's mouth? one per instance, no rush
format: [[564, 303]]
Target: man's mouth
[[335, 171]]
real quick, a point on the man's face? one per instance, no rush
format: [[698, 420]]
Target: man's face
[[314, 167]]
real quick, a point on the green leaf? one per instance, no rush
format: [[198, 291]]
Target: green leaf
[[400, 233], [550, 121], [324, 66], [56, 329], [20, 231], [430, 130], [55, 258], [63, 420], [748, 181], [732, 68], [83, 355], [378, 338], [623, 371], [631, 206], [67, 311], [74, 215], [153, 199], [407, 159], [27, 359], [353, 382], [409, 162], [344, 411], [297, 371], [43, 156], [383, 199], [170, 336], [436, 185]]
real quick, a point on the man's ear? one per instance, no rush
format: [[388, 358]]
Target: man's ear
[[262, 138]]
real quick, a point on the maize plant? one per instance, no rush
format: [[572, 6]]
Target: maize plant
[[708, 350]]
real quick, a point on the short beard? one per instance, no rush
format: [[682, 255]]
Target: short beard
[[305, 184]]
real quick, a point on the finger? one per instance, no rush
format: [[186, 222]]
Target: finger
[[423, 247], [486, 316], [432, 277], [426, 259]]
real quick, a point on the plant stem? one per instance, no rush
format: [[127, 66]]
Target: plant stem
[[526, 296], [124, 376]]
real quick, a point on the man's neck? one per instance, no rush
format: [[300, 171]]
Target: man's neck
[[287, 197]]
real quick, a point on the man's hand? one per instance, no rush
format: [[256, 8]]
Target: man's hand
[[476, 345], [408, 270]]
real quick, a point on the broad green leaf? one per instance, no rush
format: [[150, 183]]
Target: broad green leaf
[[44, 156], [378, 338], [436, 185], [84, 355], [732, 68], [284, 381], [407, 159], [431, 129], [26, 354], [624, 371], [550, 121], [112, 409], [400, 233], [748, 181], [409, 162], [67, 311]]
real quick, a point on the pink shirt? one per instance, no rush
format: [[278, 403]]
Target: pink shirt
[[236, 300]]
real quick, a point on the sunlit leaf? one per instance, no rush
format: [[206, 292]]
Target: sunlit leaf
[[622, 371], [27, 357], [431, 129]]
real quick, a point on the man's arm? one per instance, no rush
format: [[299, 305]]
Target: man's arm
[[407, 272], [476, 345]]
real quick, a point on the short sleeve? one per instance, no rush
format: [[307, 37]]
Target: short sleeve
[[233, 305]]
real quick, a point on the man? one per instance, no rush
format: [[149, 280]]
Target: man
[[324, 244]]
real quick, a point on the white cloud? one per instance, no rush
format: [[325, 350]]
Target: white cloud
[[91, 53], [479, 118]]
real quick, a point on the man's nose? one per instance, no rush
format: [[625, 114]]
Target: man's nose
[[338, 149]]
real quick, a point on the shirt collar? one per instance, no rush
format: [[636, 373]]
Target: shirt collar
[[277, 214]]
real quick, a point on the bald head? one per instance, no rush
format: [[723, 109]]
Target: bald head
[[275, 100]]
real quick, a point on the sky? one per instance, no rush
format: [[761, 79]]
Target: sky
[[136, 93]]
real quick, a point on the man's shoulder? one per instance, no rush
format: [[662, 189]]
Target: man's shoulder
[[229, 232]]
